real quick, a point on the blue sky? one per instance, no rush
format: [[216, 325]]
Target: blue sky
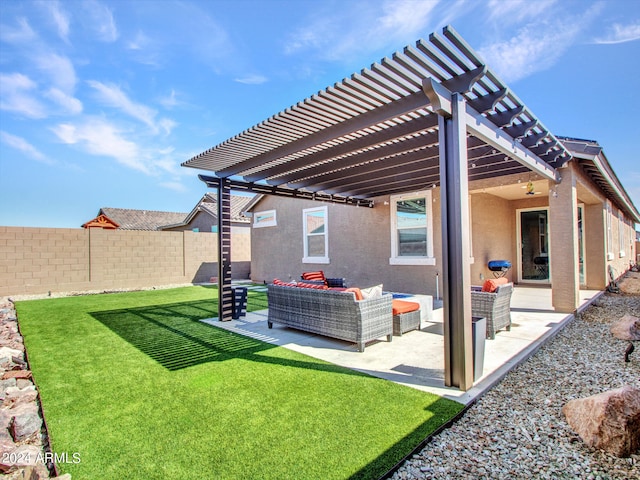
[[101, 101]]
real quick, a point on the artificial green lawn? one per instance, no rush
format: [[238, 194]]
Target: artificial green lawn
[[139, 388]]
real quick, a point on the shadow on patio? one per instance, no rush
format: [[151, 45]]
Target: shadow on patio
[[416, 359]]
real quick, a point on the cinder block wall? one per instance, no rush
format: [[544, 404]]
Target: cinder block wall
[[41, 260]]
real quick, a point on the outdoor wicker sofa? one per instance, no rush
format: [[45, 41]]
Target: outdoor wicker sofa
[[332, 313], [494, 306]]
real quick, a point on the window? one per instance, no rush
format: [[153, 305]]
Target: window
[[411, 230], [264, 219], [609, 231], [316, 241], [621, 231], [195, 230]]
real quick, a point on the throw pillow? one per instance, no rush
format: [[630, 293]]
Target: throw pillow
[[312, 285], [356, 292], [284, 284], [372, 292], [492, 284], [318, 276]]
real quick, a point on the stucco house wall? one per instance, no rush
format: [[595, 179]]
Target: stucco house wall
[[359, 246], [360, 240], [493, 235]]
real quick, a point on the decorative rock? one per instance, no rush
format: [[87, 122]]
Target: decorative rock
[[6, 353], [25, 421], [16, 374], [16, 396], [8, 383], [19, 457], [29, 473], [23, 383], [5, 422], [608, 421], [627, 328]]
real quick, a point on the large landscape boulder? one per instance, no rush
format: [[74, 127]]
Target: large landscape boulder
[[609, 421], [627, 328]]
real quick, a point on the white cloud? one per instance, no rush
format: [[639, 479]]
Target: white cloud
[[360, 27], [170, 101], [621, 34], [176, 186], [102, 21], [59, 69], [517, 11], [60, 19], [167, 125], [252, 79], [537, 45], [21, 34], [98, 137], [113, 96], [139, 42], [20, 144], [70, 104], [18, 96], [407, 16]]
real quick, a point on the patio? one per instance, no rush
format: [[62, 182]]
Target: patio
[[416, 359]]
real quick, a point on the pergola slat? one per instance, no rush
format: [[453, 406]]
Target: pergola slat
[[364, 142], [385, 112]]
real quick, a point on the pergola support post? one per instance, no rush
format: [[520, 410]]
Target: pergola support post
[[456, 246], [563, 237], [225, 294]]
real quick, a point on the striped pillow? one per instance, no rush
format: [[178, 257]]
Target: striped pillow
[[283, 284], [317, 276], [312, 285]]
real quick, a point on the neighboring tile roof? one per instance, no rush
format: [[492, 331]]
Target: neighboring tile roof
[[129, 219], [238, 205], [101, 221], [209, 204]]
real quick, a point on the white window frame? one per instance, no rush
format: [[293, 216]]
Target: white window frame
[[621, 231], [267, 223], [608, 221], [395, 259], [307, 259]]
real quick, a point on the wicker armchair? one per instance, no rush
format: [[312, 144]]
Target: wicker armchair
[[494, 306]]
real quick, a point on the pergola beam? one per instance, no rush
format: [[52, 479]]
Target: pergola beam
[[482, 128], [239, 185]]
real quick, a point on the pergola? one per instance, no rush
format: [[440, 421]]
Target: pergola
[[431, 115]]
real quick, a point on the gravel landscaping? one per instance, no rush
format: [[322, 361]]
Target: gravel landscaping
[[517, 429]]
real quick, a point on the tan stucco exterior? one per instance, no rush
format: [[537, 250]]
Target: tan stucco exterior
[[360, 239]]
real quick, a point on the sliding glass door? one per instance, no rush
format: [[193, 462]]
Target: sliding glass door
[[533, 251]]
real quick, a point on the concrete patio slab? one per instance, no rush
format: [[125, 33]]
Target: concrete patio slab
[[416, 359]]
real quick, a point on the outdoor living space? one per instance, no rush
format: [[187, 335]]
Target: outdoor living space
[[450, 170], [416, 358]]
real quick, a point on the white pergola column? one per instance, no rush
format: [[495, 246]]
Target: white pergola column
[[563, 243]]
